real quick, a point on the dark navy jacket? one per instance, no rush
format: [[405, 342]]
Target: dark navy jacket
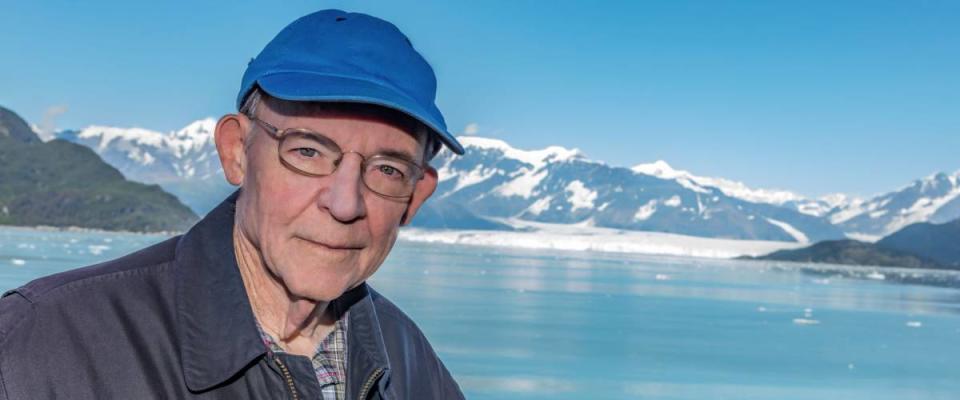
[[173, 321]]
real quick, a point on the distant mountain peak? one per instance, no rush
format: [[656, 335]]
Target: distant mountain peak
[[536, 158], [196, 136], [935, 198], [13, 126], [936, 179], [661, 169], [107, 134]]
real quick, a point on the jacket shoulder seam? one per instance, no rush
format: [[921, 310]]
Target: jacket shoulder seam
[[3, 383], [88, 280], [148, 258], [4, 333]]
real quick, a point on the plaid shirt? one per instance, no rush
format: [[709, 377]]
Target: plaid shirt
[[329, 361]]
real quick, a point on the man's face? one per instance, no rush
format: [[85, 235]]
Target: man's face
[[321, 236]]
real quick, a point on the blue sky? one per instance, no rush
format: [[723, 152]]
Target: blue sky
[[817, 97]]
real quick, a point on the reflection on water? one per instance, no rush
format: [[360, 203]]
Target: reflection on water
[[519, 324]]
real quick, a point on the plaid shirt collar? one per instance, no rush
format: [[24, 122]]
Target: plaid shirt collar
[[329, 360]]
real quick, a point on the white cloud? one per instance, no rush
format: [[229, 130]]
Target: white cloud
[[48, 125], [471, 129]]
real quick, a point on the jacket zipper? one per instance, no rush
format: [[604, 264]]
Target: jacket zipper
[[377, 373], [287, 377]]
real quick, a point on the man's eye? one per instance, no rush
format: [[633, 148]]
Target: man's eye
[[390, 171], [308, 152]]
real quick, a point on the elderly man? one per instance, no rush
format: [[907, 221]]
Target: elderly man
[[266, 296]]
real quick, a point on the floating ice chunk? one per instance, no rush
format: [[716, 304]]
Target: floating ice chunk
[[824, 281], [26, 246], [97, 249], [18, 261], [914, 324], [805, 321], [876, 276], [761, 309], [662, 277]]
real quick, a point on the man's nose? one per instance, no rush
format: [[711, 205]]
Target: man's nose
[[343, 198]]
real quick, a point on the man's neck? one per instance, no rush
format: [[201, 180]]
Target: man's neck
[[298, 325]]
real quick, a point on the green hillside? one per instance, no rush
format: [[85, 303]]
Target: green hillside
[[58, 183]]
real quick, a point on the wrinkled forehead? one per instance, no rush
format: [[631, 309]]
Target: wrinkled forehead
[[359, 111]]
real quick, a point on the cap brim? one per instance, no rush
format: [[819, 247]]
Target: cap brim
[[305, 86]]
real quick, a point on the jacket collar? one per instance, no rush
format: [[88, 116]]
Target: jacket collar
[[215, 324], [366, 351]]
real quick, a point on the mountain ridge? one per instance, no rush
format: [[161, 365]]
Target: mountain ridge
[[556, 185], [63, 184]]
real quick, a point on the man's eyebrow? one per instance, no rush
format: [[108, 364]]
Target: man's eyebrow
[[397, 154], [320, 138]]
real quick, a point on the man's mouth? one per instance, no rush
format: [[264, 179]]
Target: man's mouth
[[331, 245]]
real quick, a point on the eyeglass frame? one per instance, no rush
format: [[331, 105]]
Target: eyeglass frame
[[279, 134]]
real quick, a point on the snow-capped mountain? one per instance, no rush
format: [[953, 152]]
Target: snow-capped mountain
[[184, 162], [495, 183], [935, 199], [739, 190], [142, 154], [559, 185]]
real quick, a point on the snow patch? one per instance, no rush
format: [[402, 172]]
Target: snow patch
[[476, 175], [863, 237], [878, 213], [540, 205], [850, 211], [920, 211], [673, 201], [799, 236], [645, 211], [580, 196], [522, 185]]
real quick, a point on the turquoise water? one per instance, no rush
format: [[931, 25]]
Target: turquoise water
[[516, 324]]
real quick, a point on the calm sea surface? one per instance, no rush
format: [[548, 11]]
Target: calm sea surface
[[515, 324]]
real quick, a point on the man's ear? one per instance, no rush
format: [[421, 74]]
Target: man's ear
[[230, 137], [425, 188]]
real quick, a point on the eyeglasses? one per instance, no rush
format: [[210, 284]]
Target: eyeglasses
[[312, 154]]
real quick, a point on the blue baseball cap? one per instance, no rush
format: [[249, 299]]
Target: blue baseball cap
[[336, 56]]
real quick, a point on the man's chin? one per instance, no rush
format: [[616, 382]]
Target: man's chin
[[318, 293]]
